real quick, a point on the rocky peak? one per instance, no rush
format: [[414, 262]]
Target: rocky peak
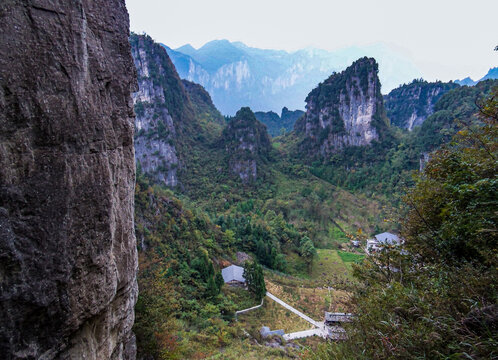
[[67, 251], [409, 105], [163, 110], [291, 114], [345, 110], [247, 144], [277, 124]]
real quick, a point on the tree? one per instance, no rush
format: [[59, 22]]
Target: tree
[[307, 250], [203, 265], [253, 273], [212, 289], [219, 280]]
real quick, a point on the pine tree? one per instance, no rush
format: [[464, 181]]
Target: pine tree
[[219, 280], [212, 288], [253, 273]]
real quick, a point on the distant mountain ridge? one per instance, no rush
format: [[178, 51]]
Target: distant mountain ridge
[[491, 75], [277, 124], [236, 75]]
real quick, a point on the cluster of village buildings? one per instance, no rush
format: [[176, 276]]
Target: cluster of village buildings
[[233, 275], [379, 242]]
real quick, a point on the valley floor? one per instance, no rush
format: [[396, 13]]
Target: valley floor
[[312, 296]]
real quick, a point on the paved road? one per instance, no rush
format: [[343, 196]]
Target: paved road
[[295, 311]]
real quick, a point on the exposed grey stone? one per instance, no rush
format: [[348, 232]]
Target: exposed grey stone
[[247, 145], [161, 102], [345, 110], [68, 257]]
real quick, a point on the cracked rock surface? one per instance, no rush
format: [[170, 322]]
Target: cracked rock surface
[[68, 257]]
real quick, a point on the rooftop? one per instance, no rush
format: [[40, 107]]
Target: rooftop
[[233, 272], [387, 238]]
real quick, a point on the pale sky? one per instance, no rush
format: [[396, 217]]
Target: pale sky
[[446, 39]]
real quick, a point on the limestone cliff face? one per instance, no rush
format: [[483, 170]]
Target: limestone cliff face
[[247, 145], [409, 105], [68, 257], [162, 110], [345, 110], [238, 75]]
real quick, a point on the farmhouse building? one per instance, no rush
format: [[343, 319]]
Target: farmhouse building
[[381, 240], [336, 318], [233, 275]]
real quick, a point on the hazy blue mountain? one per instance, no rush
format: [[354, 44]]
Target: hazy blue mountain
[[467, 81], [491, 75], [237, 75]]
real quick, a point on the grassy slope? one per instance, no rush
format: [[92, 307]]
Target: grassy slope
[[318, 206], [329, 267], [310, 295], [309, 300], [249, 350], [274, 316]]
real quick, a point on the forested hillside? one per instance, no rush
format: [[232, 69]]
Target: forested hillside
[[226, 202], [386, 165], [409, 105], [436, 299], [292, 203]]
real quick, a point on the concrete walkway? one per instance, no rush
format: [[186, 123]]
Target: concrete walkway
[[305, 333], [295, 311], [249, 309], [322, 330]]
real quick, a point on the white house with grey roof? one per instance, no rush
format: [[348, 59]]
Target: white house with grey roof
[[381, 240], [233, 275]]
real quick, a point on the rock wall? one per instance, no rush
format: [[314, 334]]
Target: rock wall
[[409, 105], [345, 110], [163, 109], [68, 257]]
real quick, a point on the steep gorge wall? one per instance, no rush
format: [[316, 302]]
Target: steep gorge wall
[[163, 111], [68, 257], [409, 105]]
